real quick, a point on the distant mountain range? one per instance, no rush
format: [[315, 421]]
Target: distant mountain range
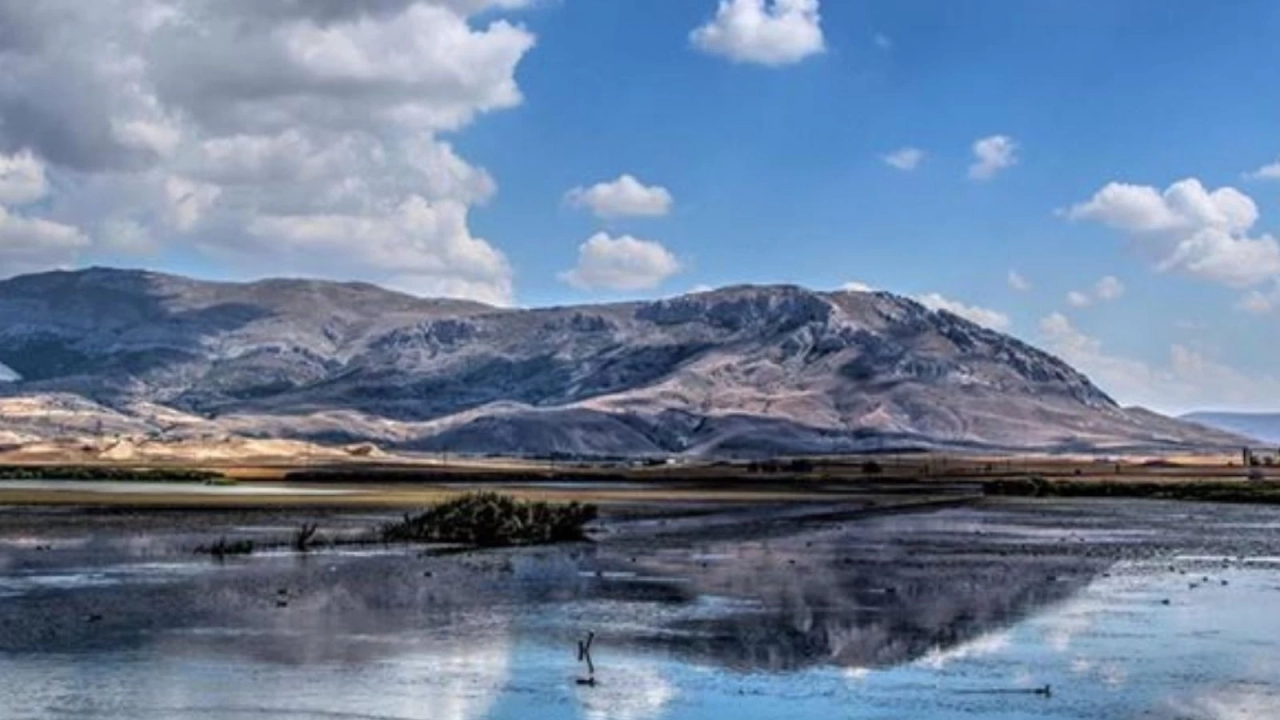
[[1261, 426], [737, 371]]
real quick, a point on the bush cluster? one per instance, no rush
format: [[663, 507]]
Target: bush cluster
[[488, 519]]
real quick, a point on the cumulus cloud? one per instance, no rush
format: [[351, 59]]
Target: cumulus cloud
[[1189, 228], [905, 159], [22, 179], [1257, 302], [1187, 380], [986, 317], [1266, 172], [1107, 289], [127, 236], [28, 243], [991, 155], [625, 196], [622, 263], [188, 201], [1018, 282], [206, 123], [765, 32], [1260, 301], [421, 247], [983, 316]]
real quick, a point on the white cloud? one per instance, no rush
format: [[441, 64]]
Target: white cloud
[[882, 41], [204, 123], [419, 65], [127, 236], [623, 263], [993, 154], [1260, 301], [22, 178], [1187, 228], [1077, 299], [766, 32], [422, 247], [160, 137], [1018, 282], [986, 317], [1257, 302], [906, 159], [1187, 381], [28, 244], [982, 316], [1266, 172], [1107, 289], [1184, 206], [188, 201], [625, 196]]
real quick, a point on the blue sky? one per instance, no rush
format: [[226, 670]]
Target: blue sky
[[435, 146]]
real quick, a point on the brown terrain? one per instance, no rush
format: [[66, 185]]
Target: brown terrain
[[293, 473]]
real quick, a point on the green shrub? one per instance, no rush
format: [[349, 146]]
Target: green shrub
[[488, 519]]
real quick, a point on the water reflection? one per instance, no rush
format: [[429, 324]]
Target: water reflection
[[905, 616], [642, 694], [827, 598], [818, 601], [1229, 703]]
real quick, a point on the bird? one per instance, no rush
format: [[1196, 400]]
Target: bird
[[584, 655]]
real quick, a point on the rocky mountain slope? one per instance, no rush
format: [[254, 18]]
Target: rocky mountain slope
[[737, 371]]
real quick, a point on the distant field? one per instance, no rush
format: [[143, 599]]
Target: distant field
[[412, 482]]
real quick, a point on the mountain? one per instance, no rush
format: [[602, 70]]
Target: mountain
[[738, 371], [1260, 426]]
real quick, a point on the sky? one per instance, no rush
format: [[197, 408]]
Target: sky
[[1101, 179]]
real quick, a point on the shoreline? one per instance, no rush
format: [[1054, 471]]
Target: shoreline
[[401, 486]]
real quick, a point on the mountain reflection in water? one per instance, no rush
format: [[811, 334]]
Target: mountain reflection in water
[[396, 634]]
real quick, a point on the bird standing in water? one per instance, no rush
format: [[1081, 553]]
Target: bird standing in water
[[584, 655]]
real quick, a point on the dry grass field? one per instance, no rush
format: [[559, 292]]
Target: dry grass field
[[291, 473]]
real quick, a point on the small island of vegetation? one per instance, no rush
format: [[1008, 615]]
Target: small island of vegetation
[[488, 519]]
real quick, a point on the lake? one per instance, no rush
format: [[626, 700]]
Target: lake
[[1122, 609]]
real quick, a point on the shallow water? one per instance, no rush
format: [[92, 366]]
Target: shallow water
[[958, 614]]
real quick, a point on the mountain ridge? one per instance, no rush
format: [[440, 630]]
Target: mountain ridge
[[746, 369]]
